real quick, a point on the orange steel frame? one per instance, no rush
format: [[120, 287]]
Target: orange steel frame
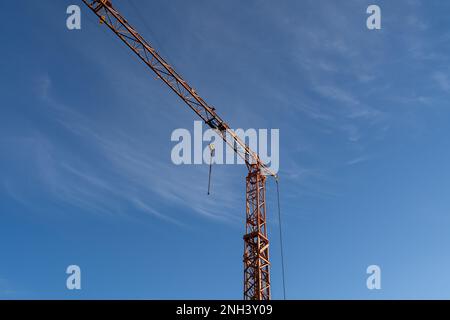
[[256, 243]]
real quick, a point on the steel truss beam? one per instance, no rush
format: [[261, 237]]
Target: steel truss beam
[[256, 243]]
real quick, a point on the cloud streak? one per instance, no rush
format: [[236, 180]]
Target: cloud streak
[[123, 171], [442, 80]]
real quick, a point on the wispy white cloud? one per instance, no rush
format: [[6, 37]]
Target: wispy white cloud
[[344, 99], [332, 77], [42, 85], [130, 172], [306, 181]]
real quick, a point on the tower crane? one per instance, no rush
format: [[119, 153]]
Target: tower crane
[[256, 242]]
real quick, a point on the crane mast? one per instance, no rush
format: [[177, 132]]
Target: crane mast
[[256, 243]]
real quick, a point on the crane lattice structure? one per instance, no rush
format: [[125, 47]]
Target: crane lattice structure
[[256, 242]]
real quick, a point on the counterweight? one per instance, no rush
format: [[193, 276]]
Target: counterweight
[[256, 243]]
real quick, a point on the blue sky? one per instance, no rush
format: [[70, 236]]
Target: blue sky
[[85, 170]]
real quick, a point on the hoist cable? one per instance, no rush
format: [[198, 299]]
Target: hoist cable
[[281, 239]]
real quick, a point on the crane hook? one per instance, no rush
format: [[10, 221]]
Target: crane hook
[[212, 149]]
